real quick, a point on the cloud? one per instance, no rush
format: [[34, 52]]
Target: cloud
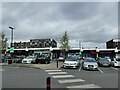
[[92, 22]]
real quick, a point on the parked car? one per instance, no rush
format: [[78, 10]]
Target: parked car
[[29, 59], [43, 59], [18, 59], [7, 58], [108, 58], [61, 58], [71, 62], [103, 62], [2, 59], [115, 62], [90, 64]]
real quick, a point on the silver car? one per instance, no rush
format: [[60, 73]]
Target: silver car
[[90, 64], [71, 62]]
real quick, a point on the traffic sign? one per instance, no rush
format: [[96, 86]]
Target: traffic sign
[[12, 50]]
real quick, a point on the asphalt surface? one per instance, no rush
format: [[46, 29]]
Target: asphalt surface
[[106, 78], [23, 77]]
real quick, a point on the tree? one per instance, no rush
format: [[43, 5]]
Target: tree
[[64, 41], [3, 41]]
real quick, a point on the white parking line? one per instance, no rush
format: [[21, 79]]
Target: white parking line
[[70, 80], [84, 86], [52, 70], [54, 73], [100, 70], [62, 76], [115, 68]]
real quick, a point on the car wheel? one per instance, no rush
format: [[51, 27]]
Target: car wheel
[[31, 62], [113, 65], [48, 62]]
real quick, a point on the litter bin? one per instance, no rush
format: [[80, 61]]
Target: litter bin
[[9, 61]]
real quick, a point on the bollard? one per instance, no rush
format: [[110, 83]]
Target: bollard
[[57, 63], [48, 83]]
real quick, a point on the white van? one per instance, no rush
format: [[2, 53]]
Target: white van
[[115, 62]]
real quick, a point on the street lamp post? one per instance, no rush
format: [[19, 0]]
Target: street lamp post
[[11, 36], [11, 46], [79, 44]]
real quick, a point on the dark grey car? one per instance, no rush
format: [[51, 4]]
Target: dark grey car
[[103, 62]]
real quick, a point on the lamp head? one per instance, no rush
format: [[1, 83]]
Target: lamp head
[[11, 28]]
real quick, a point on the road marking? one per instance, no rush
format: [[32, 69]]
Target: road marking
[[100, 70], [1, 70], [62, 76], [115, 68], [84, 86], [54, 73], [70, 80], [52, 70]]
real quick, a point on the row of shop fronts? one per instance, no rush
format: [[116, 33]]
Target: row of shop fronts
[[57, 52]]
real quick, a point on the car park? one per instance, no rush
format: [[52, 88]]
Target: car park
[[45, 59], [29, 59], [90, 64], [103, 62], [71, 62], [115, 62]]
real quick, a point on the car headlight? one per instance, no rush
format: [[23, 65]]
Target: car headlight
[[65, 63], [96, 65], [75, 63]]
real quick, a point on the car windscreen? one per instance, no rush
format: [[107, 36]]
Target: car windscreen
[[41, 56], [90, 60], [103, 60], [29, 57], [71, 59]]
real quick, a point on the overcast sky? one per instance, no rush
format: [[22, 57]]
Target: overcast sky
[[91, 23]]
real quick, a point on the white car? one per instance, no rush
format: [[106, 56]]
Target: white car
[[90, 63], [71, 62], [29, 59], [61, 58], [115, 62]]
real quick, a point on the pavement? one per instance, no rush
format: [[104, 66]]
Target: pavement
[[51, 66]]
